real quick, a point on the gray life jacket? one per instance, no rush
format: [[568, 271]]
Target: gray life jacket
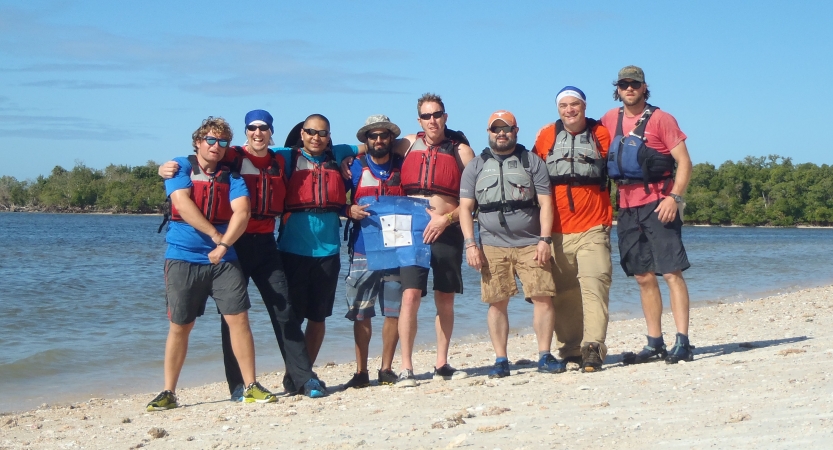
[[576, 160], [505, 186]]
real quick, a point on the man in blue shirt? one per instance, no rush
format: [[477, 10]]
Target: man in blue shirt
[[209, 211], [375, 173], [309, 239]]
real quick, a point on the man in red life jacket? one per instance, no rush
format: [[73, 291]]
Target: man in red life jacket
[[432, 169], [210, 210], [374, 174]]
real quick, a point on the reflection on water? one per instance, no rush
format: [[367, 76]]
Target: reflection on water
[[82, 311]]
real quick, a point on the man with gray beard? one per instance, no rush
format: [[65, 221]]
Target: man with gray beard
[[511, 188]]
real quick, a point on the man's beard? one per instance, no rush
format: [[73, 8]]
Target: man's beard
[[504, 146], [639, 99], [379, 153]]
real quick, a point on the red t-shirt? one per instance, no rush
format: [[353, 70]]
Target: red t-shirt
[[592, 205], [661, 134]]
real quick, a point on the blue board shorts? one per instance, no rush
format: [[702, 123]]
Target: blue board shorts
[[365, 287]]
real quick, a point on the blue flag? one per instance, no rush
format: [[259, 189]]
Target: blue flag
[[393, 232]]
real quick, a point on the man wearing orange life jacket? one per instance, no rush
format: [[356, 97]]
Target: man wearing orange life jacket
[[210, 209], [575, 149], [432, 169]]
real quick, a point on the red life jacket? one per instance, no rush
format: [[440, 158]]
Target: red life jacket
[[267, 187], [315, 187], [210, 193], [370, 186], [433, 169]]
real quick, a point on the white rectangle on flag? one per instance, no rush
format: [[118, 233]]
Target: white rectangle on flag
[[396, 230]]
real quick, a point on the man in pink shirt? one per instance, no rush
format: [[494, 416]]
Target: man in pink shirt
[[649, 161]]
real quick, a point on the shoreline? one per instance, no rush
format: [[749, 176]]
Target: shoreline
[[110, 213], [762, 376]]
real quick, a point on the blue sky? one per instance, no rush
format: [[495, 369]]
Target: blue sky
[[126, 82]]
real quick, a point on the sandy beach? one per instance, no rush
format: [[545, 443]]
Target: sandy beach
[[761, 379]]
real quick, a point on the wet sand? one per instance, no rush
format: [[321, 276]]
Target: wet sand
[[762, 378]]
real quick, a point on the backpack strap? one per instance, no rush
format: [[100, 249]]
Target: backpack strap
[[639, 128]]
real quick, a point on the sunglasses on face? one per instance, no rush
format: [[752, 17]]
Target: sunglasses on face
[[311, 132], [374, 136], [211, 140], [428, 116], [496, 129], [624, 84], [257, 127]]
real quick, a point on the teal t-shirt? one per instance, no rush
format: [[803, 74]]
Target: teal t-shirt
[[309, 233]]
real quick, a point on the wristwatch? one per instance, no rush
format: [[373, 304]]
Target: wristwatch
[[546, 239], [677, 198]]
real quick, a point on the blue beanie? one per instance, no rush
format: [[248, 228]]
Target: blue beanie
[[571, 91], [262, 116]]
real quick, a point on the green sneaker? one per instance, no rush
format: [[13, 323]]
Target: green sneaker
[[255, 393], [165, 400]]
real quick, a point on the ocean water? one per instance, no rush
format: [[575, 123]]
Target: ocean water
[[82, 307]]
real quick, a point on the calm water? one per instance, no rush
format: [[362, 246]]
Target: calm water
[[82, 308]]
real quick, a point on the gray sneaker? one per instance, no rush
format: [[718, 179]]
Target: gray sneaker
[[406, 379]]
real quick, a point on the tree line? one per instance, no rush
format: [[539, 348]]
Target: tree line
[[755, 191], [118, 189]]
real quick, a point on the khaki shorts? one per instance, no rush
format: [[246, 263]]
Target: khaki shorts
[[504, 263]]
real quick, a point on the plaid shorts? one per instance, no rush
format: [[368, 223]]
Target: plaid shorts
[[364, 287]]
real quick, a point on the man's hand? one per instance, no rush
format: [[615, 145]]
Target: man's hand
[[542, 253], [435, 227], [345, 167], [667, 209], [217, 254], [357, 212], [217, 237], [474, 258], [168, 170]]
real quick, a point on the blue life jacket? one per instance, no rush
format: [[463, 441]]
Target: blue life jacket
[[630, 160]]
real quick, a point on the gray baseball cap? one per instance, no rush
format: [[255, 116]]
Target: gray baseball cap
[[377, 121], [632, 72]]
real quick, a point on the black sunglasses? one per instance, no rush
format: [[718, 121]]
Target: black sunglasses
[[257, 127], [374, 136], [311, 132], [211, 140], [624, 84], [496, 129], [435, 114]]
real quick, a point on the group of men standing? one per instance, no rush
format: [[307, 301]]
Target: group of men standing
[[544, 215]]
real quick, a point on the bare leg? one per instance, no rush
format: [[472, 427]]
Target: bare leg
[[498, 321], [444, 324], [408, 325], [243, 344], [651, 302], [390, 337], [543, 321], [362, 330], [314, 337], [176, 348], [679, 300]]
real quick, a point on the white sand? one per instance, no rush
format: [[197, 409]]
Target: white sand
[[761, 379]]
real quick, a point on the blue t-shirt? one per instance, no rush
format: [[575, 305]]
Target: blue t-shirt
[[309, 233], [381, 172], [184, 241]]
